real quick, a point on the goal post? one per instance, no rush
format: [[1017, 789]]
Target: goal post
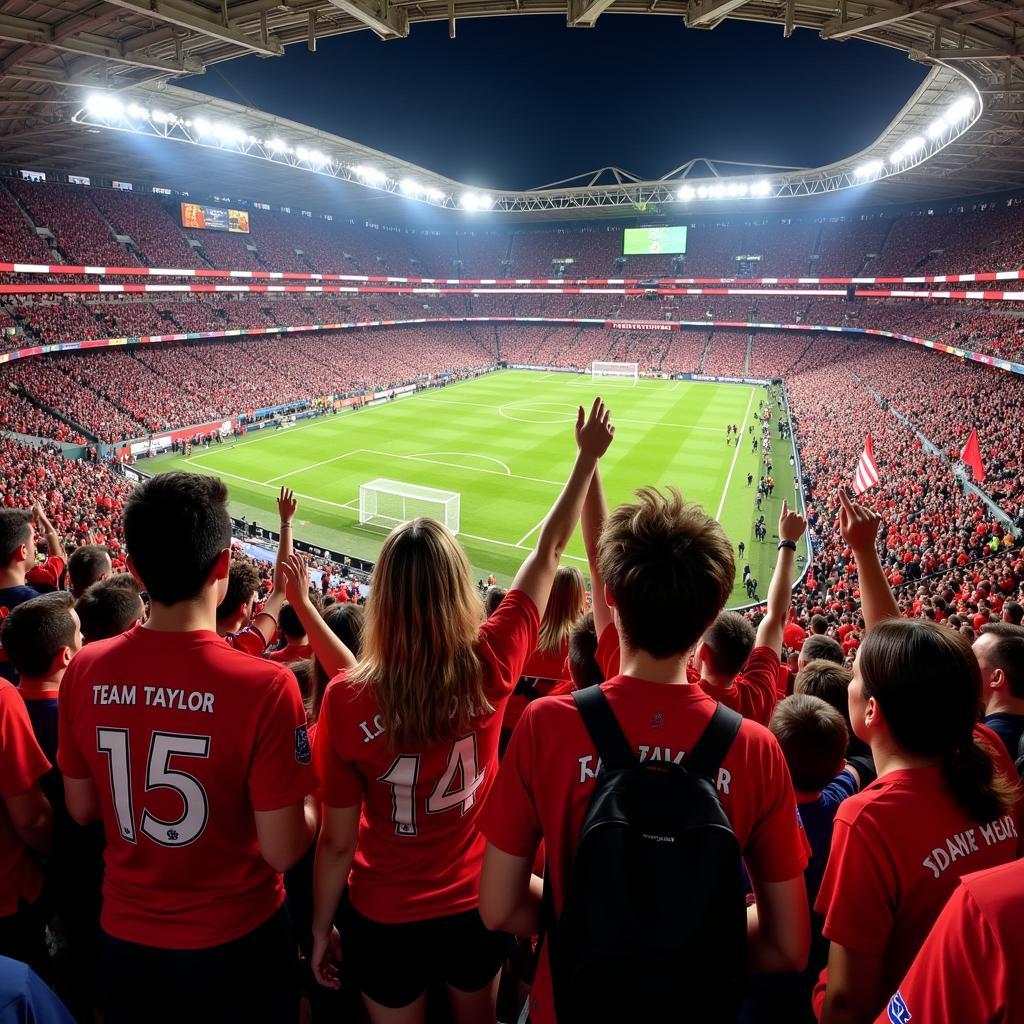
[[602, 371], [387, 503]]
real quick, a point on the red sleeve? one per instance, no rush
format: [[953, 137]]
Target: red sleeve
[[858, 890], [341, 785], [249, 641], [758, 685], [281, 773], [22, 760], [777, 849], [507, 639], [509, 819], [69, 758], [607, 653], [960, 973]]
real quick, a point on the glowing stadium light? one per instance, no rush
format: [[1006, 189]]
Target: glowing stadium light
[[937, 128], [409, 187], [686, 193], [370, 175], [960, 110], [737, 189], [435, 194], [868, 170], [717, 191], [761, 188], [277, 146], [702, 191], [910, 148], [202, 126], [226, 133], [485, 201], [162, 117], [104, 106], [316, 157], [134, 110], [469, 201]]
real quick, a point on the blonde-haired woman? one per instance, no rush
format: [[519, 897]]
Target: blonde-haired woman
[[407, 748], [548, 664]]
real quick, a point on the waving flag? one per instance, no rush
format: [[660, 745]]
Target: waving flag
[[972, 456], [867, 472]]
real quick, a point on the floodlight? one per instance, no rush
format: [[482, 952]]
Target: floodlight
[[761, 188], [316, 157], [468, 201], [409, 187], [104, 106], [134, 110], [162, 117], [435, 194], [702, 192], [371, 175], [202, 126], [737, 189], [686, 193], [485, 201], [868, 170], [960, 110], [277, 146], [936, 128], [717, 191]]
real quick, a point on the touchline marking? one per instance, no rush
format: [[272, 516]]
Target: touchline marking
[[735, 456], [305, 469]]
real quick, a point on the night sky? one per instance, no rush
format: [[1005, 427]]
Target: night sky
[[518, 102]]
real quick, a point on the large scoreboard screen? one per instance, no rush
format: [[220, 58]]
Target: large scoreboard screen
[[214, 218], [654, 241]]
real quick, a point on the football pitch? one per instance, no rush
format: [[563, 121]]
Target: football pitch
[[505, 443]]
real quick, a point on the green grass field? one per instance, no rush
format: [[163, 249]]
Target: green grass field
[[505, 443]]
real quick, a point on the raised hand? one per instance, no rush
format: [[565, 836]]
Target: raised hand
[[791, 523], [296, 579], [594, 433], [286, 505], [857, 523]]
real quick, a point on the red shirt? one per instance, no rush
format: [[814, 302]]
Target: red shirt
[[794, 635], [546, 782], [248, 640], [291, 652], [191, 737], [963, 972], [753, 693], [898, 851], [22, 764], [419, 852], [543, 669]]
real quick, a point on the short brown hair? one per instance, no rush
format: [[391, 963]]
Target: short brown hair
[[729, 640], [243, 582], [1008, 653], [669, 568], [583, 666], [36, 631], [828, 681], [813, 737]]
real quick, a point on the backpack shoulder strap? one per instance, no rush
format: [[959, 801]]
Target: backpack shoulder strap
[[604, 728], [707, 756]]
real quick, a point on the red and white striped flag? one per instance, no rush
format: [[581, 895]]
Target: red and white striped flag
[[867, 471]]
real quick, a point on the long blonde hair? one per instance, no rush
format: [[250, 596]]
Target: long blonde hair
[[419, 634], [566, 603]]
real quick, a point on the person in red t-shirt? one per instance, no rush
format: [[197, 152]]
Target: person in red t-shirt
[[237, 619], [938, 809], [197, 759], [966, 971], [548, 663], [407, 750], [667, 570], [26, 823], [297, 646]]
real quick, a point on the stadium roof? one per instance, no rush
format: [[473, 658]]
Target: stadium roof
[[53, 56]]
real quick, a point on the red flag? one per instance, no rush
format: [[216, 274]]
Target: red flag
[[867, 472], [972, 456]]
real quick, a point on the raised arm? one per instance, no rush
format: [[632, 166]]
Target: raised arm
[[791, 529], [859, 527], [266, 621], [594, 434], [595, 512], [330, 651], [54, 546]]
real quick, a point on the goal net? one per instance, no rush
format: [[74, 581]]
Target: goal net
[[389, 502], [630, 371]]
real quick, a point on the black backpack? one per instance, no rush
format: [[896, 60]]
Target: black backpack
[[654, 923]]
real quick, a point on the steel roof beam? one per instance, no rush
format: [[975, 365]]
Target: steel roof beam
[[837, 29], [584, 13], [196, 19], [707, 13], [379, 16]]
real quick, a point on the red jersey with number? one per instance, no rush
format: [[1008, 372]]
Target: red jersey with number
[[967, 971], [184, 738], [419, 851], [898, 851], [22, 764], [752, 694], [547, 780]]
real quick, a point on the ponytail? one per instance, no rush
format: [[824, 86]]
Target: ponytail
[[981, 792]]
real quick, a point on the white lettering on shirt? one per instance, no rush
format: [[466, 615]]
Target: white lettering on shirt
[[369, 735], [179, 700], [113, 694], [590, 770], [963, 844], [999, 830]]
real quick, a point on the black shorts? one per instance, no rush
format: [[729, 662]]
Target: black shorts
[[394, 964]]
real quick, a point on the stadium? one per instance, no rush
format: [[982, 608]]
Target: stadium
[[425, 597]]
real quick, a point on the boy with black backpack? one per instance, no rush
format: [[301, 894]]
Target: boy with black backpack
[[646, 794]]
